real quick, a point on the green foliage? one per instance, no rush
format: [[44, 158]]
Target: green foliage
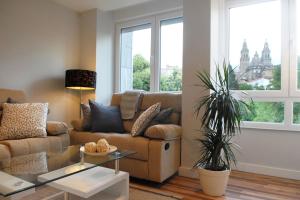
[[221, 120], [233, 83], [276, 81], [172, 82], [141, 73], [266, 112], [141, 76]]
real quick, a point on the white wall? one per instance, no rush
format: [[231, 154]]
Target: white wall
[[39, 40], [196, 56]]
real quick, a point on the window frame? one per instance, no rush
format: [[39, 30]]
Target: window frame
[[155, 21], [289, 93]]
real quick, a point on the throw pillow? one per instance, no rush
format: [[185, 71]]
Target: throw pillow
[[163, 117], [144, 119], [86, 113], [105, 118], [23, 120]]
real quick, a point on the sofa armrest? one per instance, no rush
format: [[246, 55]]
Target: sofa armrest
[[56, 128], [77, 124], [164, 132]]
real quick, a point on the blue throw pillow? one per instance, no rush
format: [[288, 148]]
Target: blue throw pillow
[[105, 118]]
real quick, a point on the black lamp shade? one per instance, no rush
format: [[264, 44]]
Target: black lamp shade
[[78, 79]]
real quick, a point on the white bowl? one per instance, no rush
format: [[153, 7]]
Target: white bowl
[[111, 150]]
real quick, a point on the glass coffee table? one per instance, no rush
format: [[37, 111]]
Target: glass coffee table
[[69, 170]]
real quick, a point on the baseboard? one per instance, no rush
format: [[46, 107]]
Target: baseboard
[[249, 167], [267, 170], [187, 172]]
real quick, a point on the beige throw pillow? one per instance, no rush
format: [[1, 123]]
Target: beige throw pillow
[[23, 120], [144, 119]]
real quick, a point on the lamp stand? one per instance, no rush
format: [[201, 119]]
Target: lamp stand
[[80, 111]]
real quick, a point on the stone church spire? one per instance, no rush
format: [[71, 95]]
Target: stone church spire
[[265, 56], [245, 59]]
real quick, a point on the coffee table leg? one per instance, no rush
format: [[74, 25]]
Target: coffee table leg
[[117, 166], [66, 196]]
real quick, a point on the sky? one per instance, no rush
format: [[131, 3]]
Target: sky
[[171, 44], [257, 24]]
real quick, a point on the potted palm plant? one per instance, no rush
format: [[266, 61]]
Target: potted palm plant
[[221, 117]]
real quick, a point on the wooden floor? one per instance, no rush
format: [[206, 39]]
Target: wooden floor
[[242, 186]]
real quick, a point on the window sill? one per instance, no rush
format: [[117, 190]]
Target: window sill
[[270, 126]]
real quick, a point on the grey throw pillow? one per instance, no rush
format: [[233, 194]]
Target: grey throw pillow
[[163, 117], [105, 118], [86, 113]]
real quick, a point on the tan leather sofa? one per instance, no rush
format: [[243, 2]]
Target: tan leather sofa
[[12, 148], [157, 154]]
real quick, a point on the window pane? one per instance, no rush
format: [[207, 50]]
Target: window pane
[[266, 112], [296, 113], [255, 46], [135, 58], [298, 39], [171, 55]]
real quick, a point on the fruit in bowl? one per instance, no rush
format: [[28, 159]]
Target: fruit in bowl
[[102, 146], [90, 147]]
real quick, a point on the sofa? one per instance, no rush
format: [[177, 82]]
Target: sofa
[[157, 154], [51, 143]]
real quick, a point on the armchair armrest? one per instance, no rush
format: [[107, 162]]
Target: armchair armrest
[[56, 128], [164, 132]]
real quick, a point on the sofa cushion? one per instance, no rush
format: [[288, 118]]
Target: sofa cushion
[[105, 118], [122, 141], [35, 145], [23, 120], [164, 132]]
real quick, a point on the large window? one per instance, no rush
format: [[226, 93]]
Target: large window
[[149, 54], [263, 49]]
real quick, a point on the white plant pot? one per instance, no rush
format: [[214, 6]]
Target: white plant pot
[[213, 183]]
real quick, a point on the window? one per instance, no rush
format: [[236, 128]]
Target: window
[[171, 34], [149, 54], [263, 50]]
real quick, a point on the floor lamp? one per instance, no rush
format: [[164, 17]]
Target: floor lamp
[[78, 79]]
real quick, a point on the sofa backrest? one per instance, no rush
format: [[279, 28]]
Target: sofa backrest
[[167, 100], [17, 95]]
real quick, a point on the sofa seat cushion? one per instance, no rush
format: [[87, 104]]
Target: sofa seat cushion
[[36, 145], [122, 141]]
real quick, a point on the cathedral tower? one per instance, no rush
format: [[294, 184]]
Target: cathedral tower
[[245, 59]]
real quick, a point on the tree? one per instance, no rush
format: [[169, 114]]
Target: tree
[[172, 82], [233, 82], [141, 76], [141, 73]]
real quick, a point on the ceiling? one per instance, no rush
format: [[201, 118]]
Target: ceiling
[[105, 5]]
